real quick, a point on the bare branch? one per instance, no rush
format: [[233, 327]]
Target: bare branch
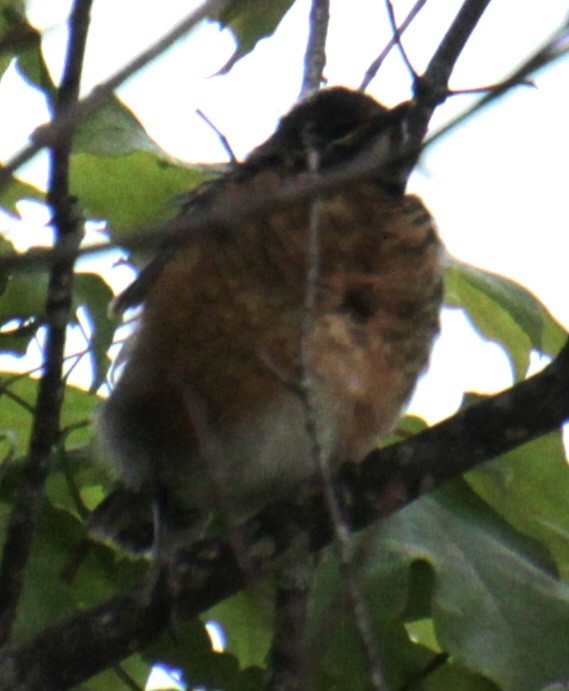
[[227, 214], [397, 37], [69, 652], [45, 429], [432, 88], [373, 69], [222, 138], [62, 124], [315, 57], [556, 47], [342, 540]]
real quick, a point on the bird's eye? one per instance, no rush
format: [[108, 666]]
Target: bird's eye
[[340, 130]]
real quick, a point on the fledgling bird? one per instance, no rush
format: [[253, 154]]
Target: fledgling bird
[[204, 420]]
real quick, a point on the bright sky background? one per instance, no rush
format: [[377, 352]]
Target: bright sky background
[[496, 187]]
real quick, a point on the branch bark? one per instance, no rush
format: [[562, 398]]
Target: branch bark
[[315, 58], [63, 123], [431, 89], [554, 48], [68, 229], [373, 69], [69, 652]]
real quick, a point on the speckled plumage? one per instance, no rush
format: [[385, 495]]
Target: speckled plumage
[[203, 413]]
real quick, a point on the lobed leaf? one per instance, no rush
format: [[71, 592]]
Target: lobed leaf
[[452, 559]]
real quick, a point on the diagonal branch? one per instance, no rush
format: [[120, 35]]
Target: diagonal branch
[[65, 122], [373, 69], [556, 47], [431, 89], [68, 228], [69, 652]]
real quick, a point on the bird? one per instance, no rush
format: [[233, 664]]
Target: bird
[[207, 420]]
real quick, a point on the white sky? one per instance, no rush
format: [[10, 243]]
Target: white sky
[[497, 187]]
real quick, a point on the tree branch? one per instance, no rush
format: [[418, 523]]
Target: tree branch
[[315, 57], [373, 69], [69, 652], [45, 429], [556, 47], [431, 89], [61, 125]]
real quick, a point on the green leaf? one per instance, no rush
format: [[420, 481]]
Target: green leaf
[[453, 677], [503, 311], [121, 175], [24, 300], [94, 293], [46, 597], [342, 663], [407, 426], [16, 416], [490, 581], [529, 486], [32, 66], [456, 569], [17, 190], [192, 652], [135, 667], [16, 35], [246, 621], [24, 297], [250, 21], [104, 573], [250, 679], [17, 340], [130, 190], [113, 130]]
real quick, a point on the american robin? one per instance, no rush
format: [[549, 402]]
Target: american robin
[[206, 419]]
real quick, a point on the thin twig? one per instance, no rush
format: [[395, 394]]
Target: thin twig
[[431, 89], [315, 56], [5, 391], [556, 47], [63, 123], [222, 138], [373, 69], [397, 37], [29, 494], [434, 664], [126, 679], [308, 387], [72, 487], [227, 214]]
